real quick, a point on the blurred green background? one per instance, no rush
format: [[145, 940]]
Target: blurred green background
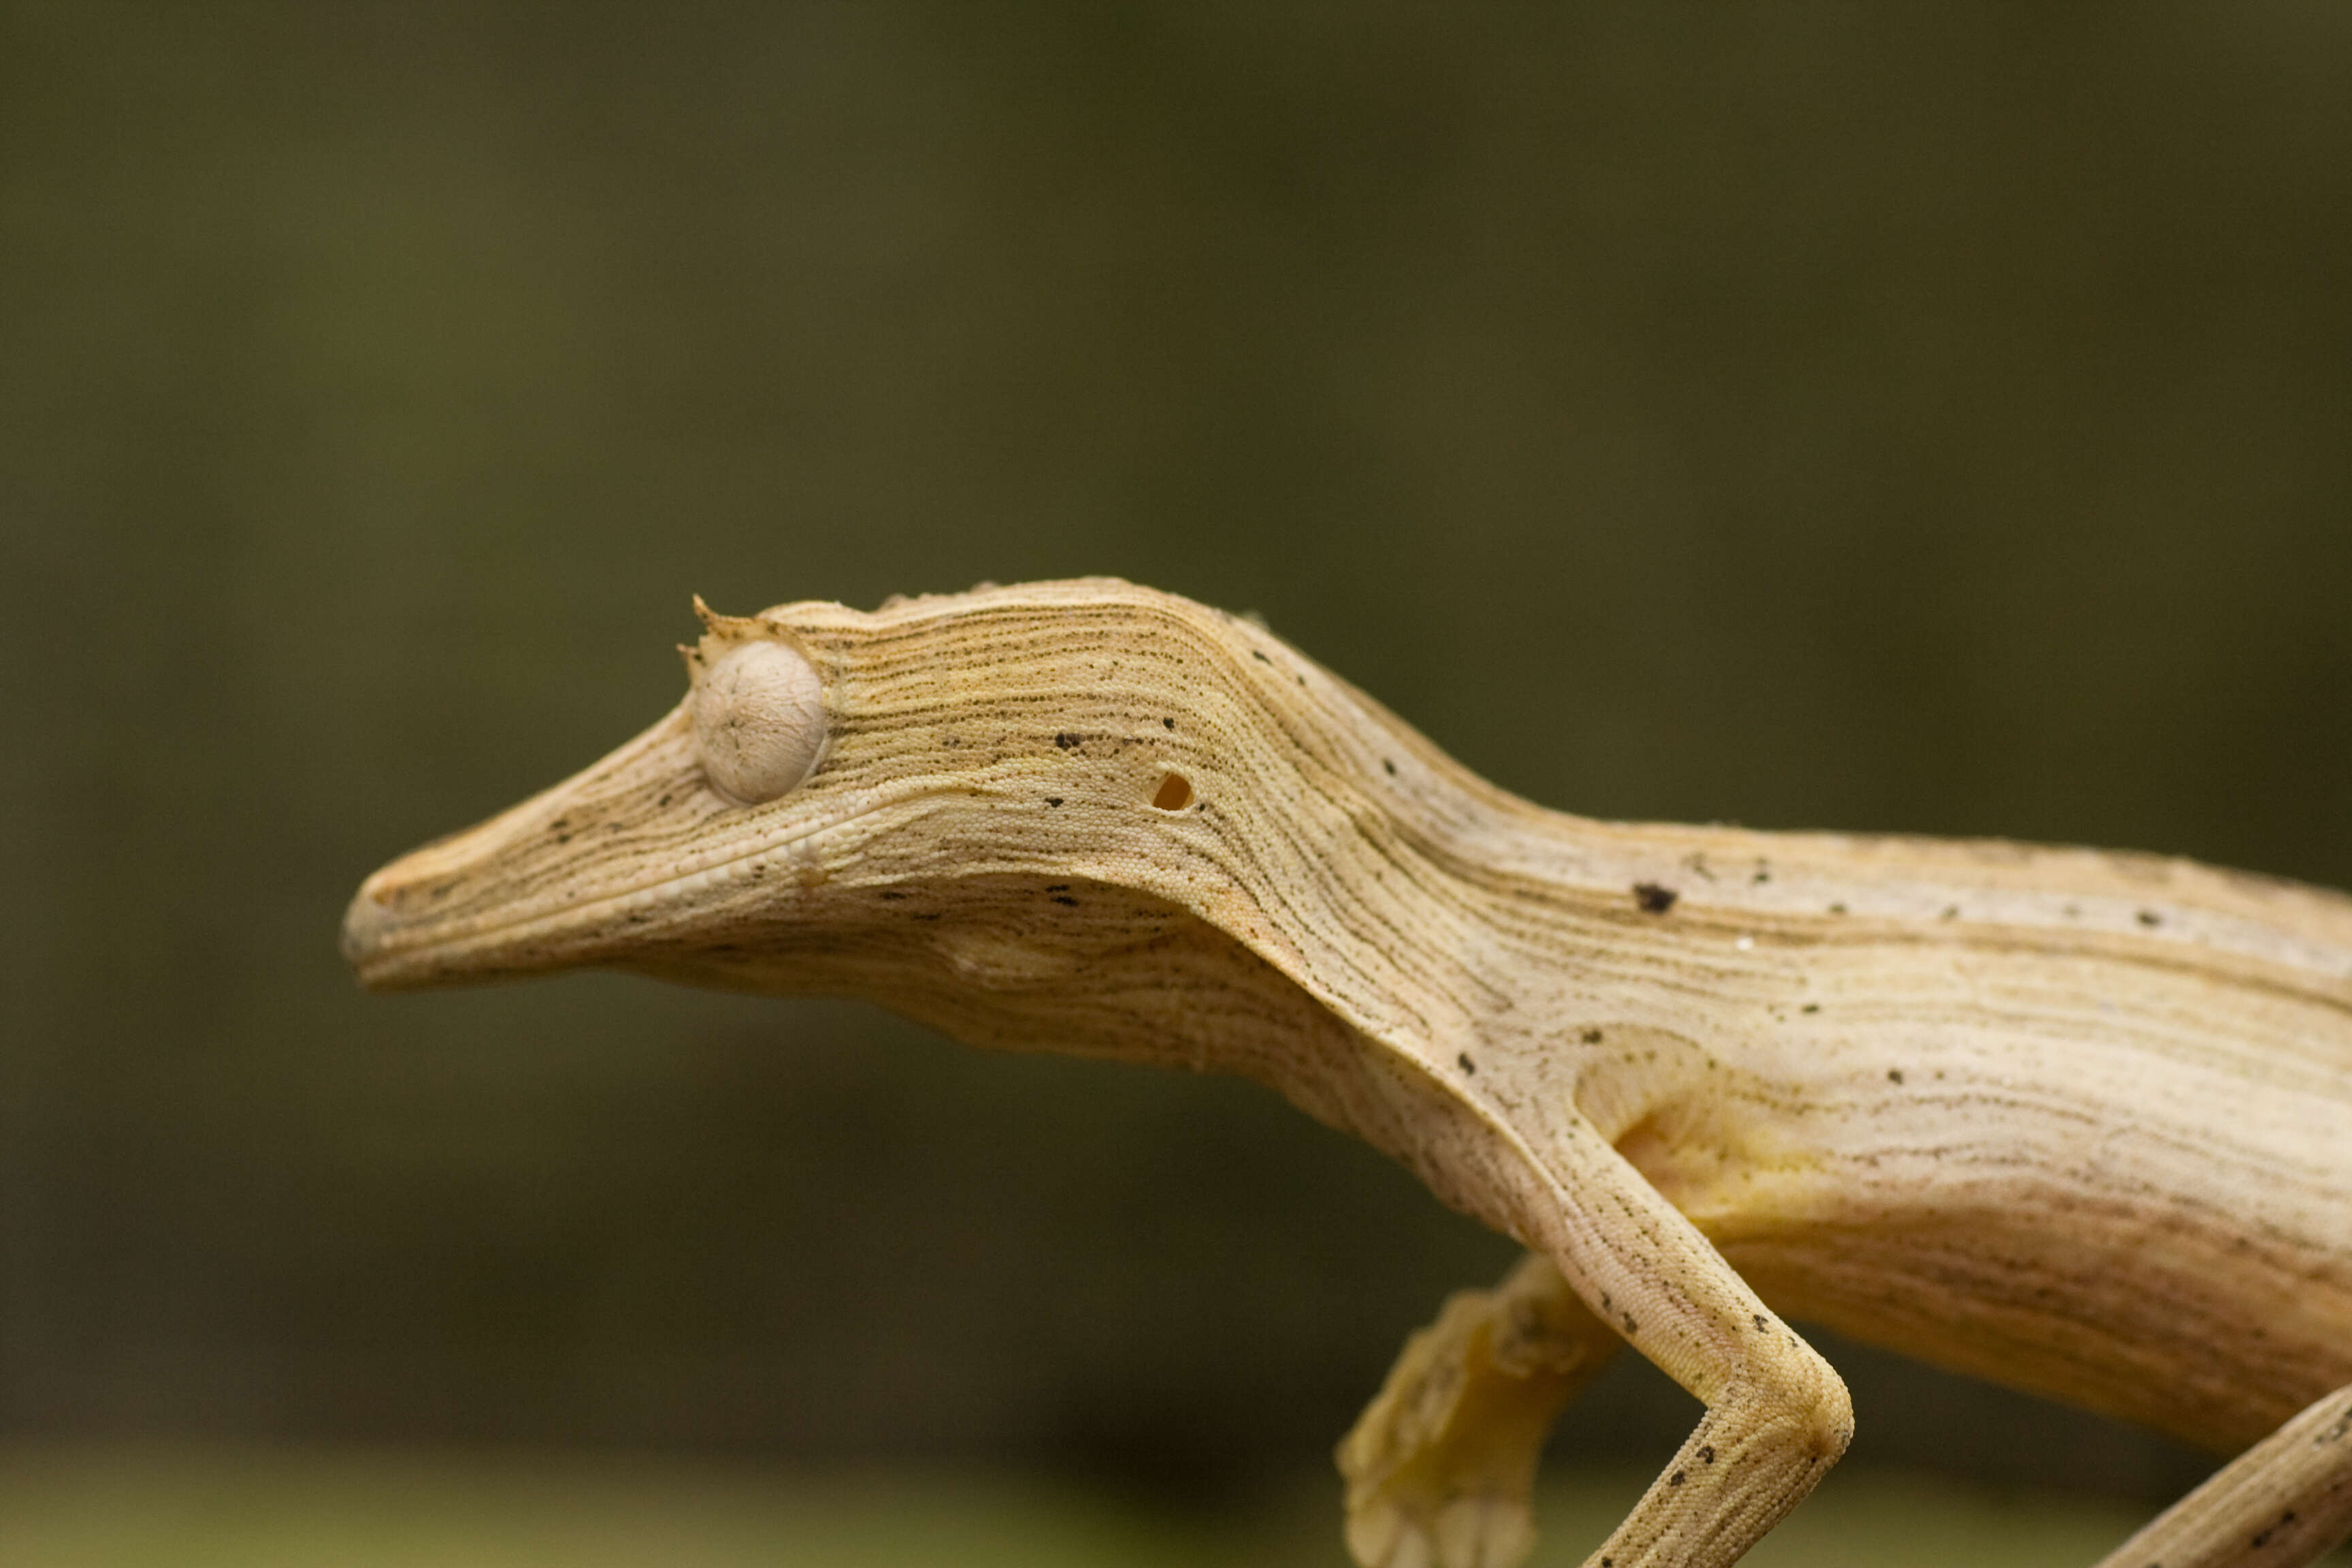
[[1815, 415]]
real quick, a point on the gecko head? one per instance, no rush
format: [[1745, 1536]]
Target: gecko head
[[974, 791]]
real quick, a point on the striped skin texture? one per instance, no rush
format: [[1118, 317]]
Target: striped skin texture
[[2078, 1122]]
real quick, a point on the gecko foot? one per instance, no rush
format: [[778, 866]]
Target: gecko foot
[[1441, 1466]]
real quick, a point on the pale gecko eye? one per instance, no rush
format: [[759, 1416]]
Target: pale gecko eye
[[759, 721]]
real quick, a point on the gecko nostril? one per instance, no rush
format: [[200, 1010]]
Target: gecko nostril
[[1175, 792]]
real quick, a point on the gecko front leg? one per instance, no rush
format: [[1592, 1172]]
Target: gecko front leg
[[1440, 1467], [1778, 1416], [2280, 1504]]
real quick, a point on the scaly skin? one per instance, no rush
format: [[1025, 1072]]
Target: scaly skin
[[2077, 1123]]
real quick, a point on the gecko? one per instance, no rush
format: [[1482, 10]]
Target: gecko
[[2076, 1121]]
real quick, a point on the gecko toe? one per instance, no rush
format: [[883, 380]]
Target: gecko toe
[[1483, 1531]]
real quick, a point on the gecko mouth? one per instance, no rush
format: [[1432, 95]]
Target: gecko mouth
[[392, 952]]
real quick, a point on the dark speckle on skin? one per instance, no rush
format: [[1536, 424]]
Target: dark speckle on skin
[[1066, 899], [1591, 1036], [1169, 724], [1761, 1324], [1895, 1075], [1706, 1454], [1653, 898], [1389, 765], [894, 894], [2263, 1538], [1057, 886], [1837, 908], [1468, 1064], [1053, 800], [2150, 918], [1810, 1007], [1259, 657], [1676, 1480], [1066, 741]]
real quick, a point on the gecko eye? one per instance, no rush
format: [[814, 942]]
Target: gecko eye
[[759, 721]]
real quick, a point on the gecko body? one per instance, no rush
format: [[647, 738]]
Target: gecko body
[[2079, 1122]]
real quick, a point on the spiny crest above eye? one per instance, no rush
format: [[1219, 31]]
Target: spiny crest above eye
[[719, 633], [758, 707]]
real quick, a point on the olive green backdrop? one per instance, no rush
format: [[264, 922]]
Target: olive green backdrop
[[1809, 415]]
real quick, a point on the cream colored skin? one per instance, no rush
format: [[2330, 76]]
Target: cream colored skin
[[2077, 1123]]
